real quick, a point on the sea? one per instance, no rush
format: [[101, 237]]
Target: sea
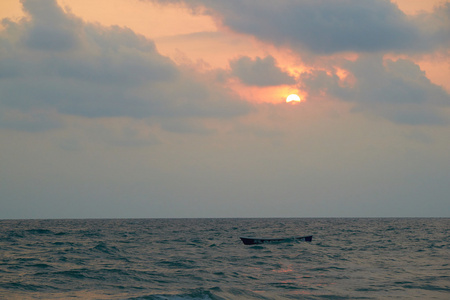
[[187, 259]]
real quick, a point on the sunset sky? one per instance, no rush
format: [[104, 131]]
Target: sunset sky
[[149, 109]]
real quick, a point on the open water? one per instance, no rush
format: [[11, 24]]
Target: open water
[[179, 259]]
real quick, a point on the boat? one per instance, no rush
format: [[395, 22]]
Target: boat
[[255, 241]]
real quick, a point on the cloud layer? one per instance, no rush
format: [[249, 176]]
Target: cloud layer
[[55, 61], [259, 72], [396, 90], [99, 121], [327, 27]]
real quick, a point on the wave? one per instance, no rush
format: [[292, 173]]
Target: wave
[[194, 295], [178, 259]]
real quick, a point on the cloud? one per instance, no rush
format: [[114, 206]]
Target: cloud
[[435, 27], [259, 72], [35, 121], [327, 27], [54, 61], [42, 34], [396, 90]]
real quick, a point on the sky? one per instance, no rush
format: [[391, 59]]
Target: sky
[[177, 109]]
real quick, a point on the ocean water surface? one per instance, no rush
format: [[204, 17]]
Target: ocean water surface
[[172, 259]]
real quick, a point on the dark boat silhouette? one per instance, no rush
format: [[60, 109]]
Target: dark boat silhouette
[[255, 241]]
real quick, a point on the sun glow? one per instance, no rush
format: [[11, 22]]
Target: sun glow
[[293, 98]]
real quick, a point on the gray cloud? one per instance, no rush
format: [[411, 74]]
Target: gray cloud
[[324, 27], [259, 72], [35, 121], [396, 90], [42, 34], [327, 27], [54, 61]]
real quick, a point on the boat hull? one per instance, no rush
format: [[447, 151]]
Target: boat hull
[[255, 241]]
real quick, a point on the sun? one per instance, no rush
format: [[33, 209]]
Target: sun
[[293, 98]]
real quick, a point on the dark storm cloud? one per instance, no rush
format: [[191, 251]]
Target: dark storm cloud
[[54, 61], [327, 27], [396, 90], [259, 72]]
